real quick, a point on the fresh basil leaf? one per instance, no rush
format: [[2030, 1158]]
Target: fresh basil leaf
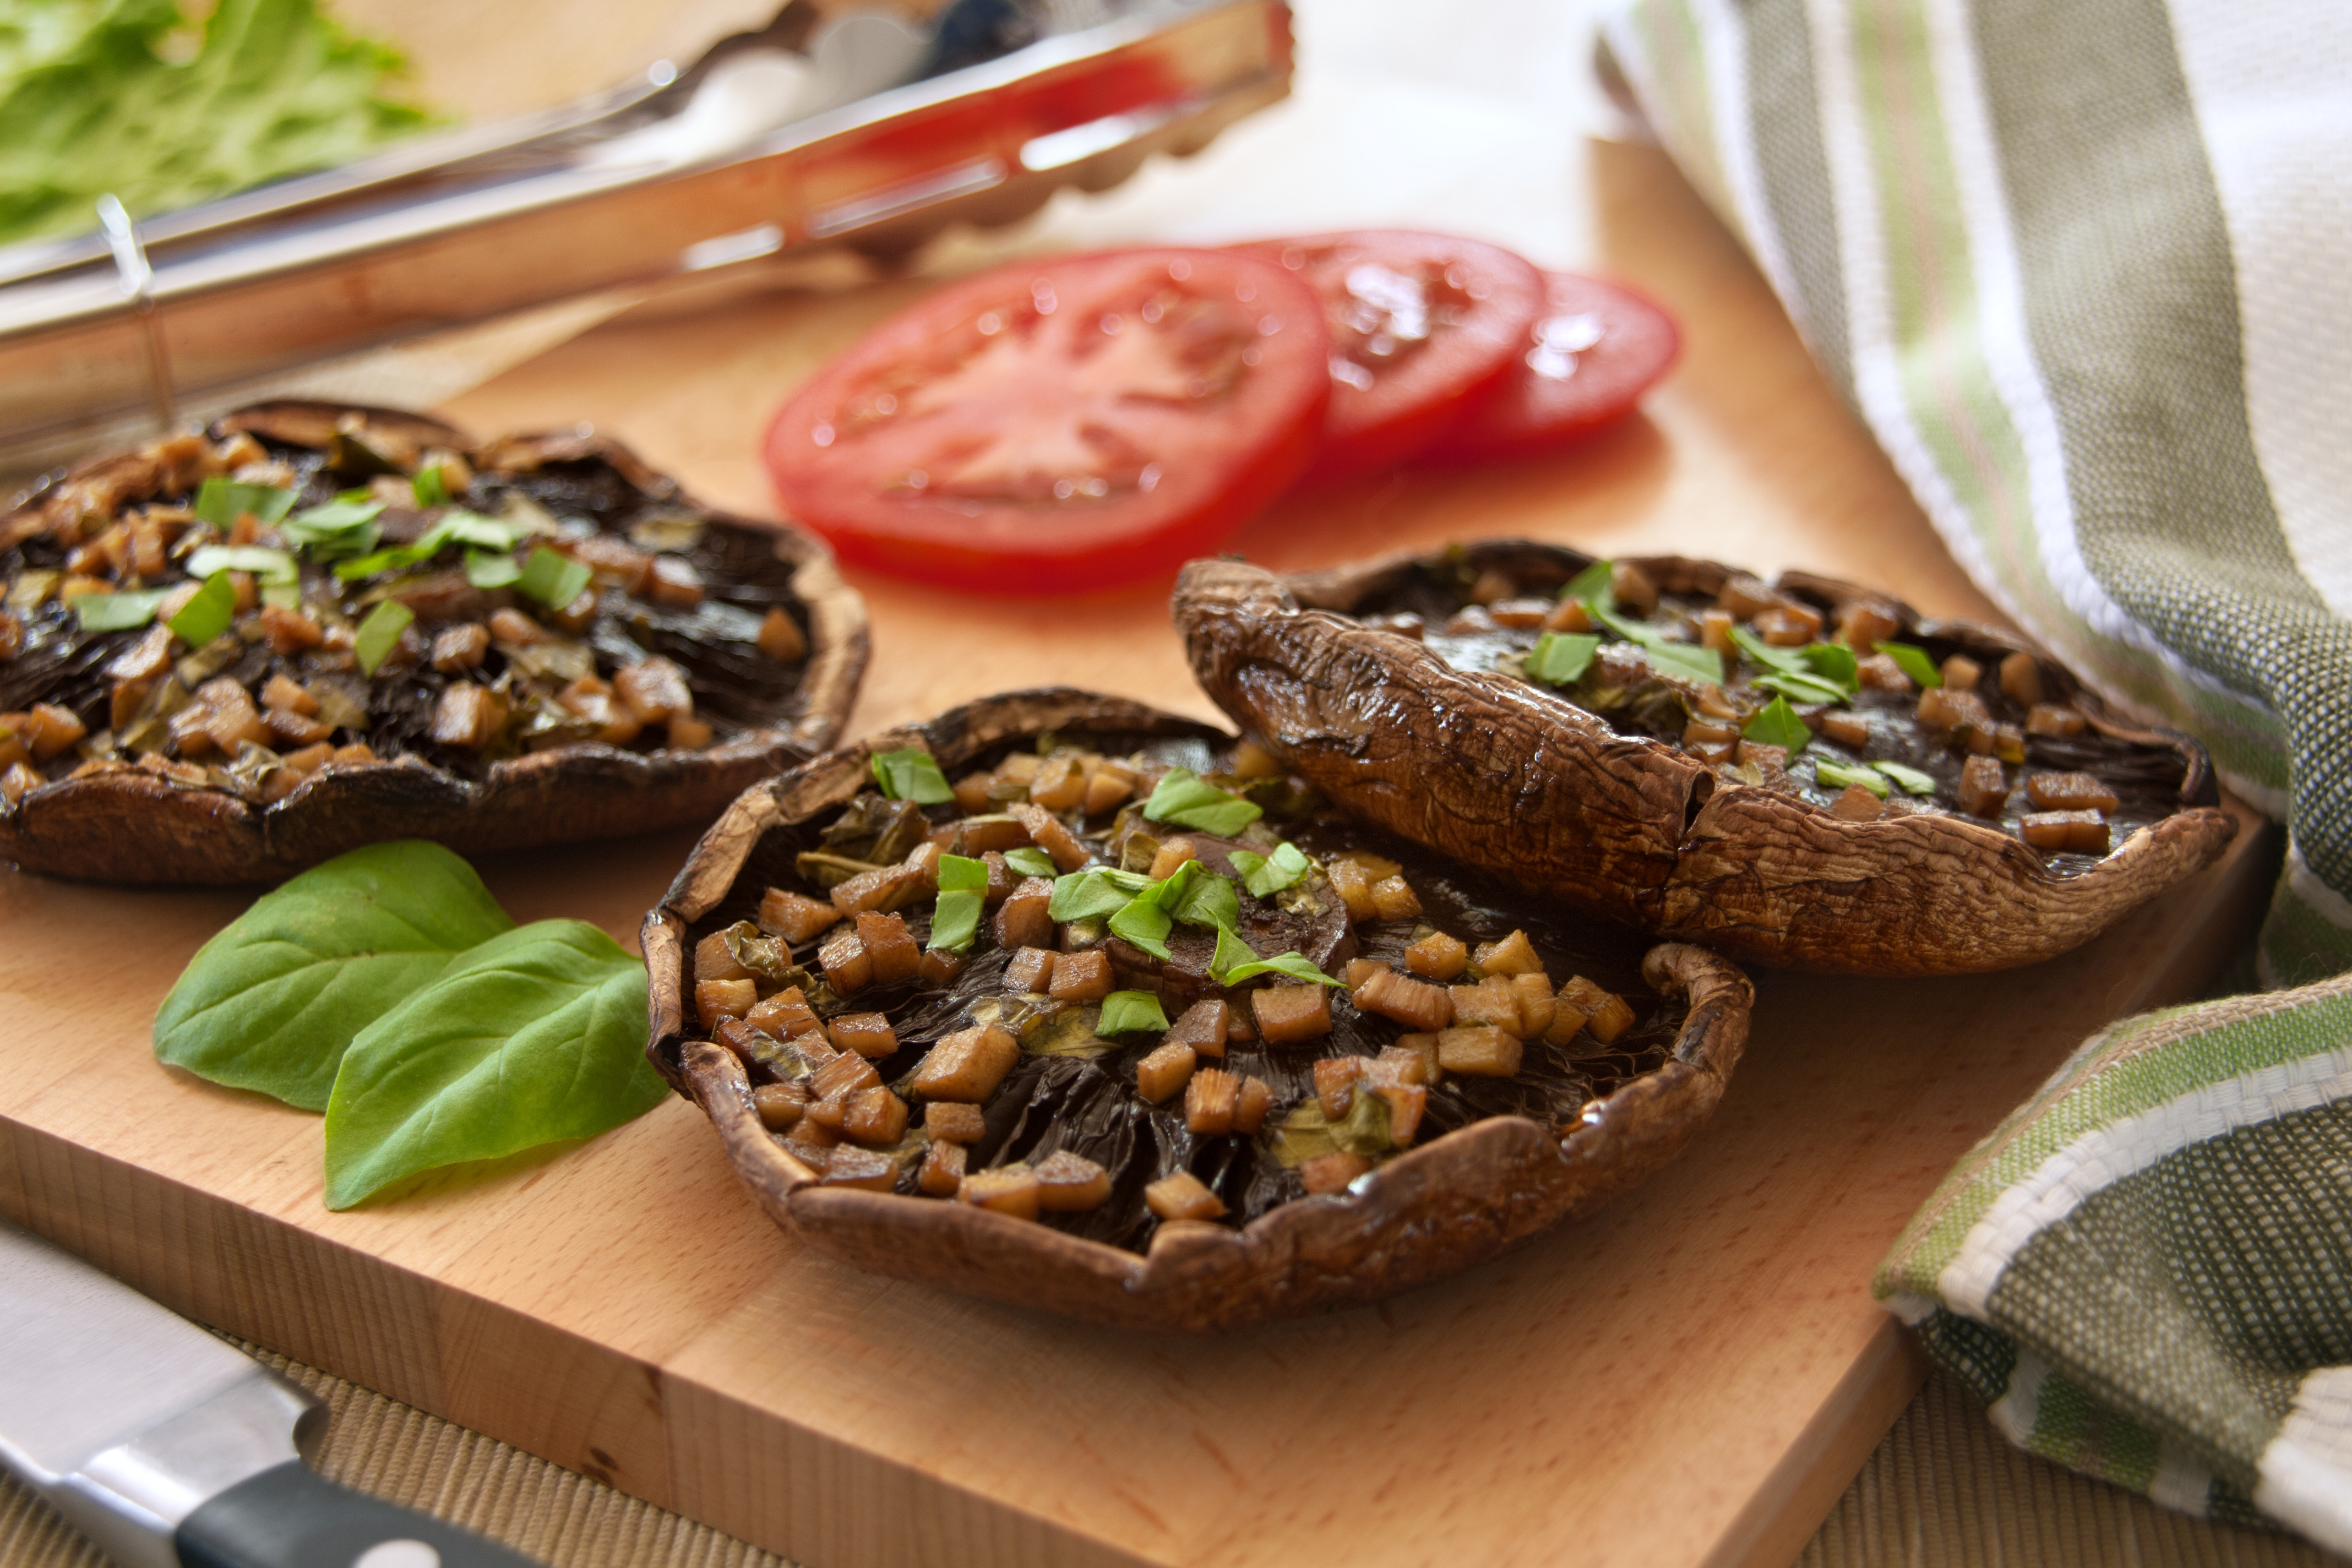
[[271, 1002], [1593, 587], [270, 565], [532, 1037], [1031, 862], [492, 569], [1912, 661], [461, 527], [1183, 797], [1833, 662], [1266, 875], [912, 774], [208, 614], [428, 487], [961, 874], [1687, 660], [1913, 781], [1235, 962], [1778, 725], [332, 520], [1800, 688], [1145, 925], [552, 579], [1210, 901], [379, 634], [1126, 1012], [117, 612], [222, 501], [1837, 775], [1091, 895], [955, 922], [1558, 658]]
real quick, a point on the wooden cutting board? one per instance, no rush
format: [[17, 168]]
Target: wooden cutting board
[[1690, 1377]]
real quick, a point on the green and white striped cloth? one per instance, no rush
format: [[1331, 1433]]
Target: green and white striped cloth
[[2085, 268]]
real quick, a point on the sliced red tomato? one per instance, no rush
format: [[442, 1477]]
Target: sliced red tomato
[[1422, 324], [1596, 349], [1058, 424]]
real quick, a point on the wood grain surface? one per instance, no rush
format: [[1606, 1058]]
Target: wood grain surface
[[1691, 1376]]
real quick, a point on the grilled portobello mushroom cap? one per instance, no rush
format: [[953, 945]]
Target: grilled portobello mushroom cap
[[1133, 1180], [230, 655], [1958, 803]]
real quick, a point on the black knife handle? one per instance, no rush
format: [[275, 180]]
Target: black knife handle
[[287, 1517]]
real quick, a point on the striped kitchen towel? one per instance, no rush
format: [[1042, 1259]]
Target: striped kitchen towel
[[2085, 268]]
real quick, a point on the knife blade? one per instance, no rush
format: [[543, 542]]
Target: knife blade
[[172, 1450]]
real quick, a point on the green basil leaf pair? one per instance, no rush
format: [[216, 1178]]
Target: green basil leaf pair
[[118, 612], [1818, 672], [1837, 775], [963, 893], [1235, 962], [1266, 875], [1091, 895], [912, 774], [388, 989], [1126, 1011], [1913, 781], [1778, 725], [1685, 659], [1560, 658], [1184, 797], [1914, 662], [222, 501], [1031, 862]]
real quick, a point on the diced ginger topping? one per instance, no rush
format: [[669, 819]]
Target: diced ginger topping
[[2055, 719], [1534, 998], [953, 1122], [1289, 1013], [459, 648], [1600, 1011], [890, 948], [48, 729], [715, 960], [847, 967], [1787, 624], [291, 631], [1071, 1183], [1400, 1064], [1202, 1027], [779, 1105], [876, 1117], [1030, 969], [786, 1015], [1354, 886], [1335, 1085], [942, 1173], [780, 638], [717, 999], [2074, 832], [2020, 678], [1182, 1196], [1714, 632], [1845, 728], [1252, 760], [1492, 1000], [867, 1170], [1514, 954], [1406, 1101], [1251, 1105], [1984, 786], [843, 1075], [2069, 792], [1879, 672], [1164, 1072], [1855, 803], [1081, 977], [1394, 900], [967, 1065], [1061, 783], [1437, 956], [1010, 1190], [468, 716], [18, 782], [1415, 1004], [1864, 624], [285, 695], [1961, 673], [1211, 1101], [1478, 1050], [796, 916], [870, 1035], [1047, 832], [654, 690], [1331, 1172], [1172, 854]]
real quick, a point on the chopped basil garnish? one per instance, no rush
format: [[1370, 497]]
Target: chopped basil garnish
[[1183, 797], [1265, 874], [492, 569], [117, 612], [1837, 775], [1126, 1012], [1819, 672], [1090, 895], [1144, 925], [1031, 862], [1778, 725], [335, 528], [269, 565], [908, 774], [1685, 659], [379, 634], [956, 922], [428, 487], [961, 874], [222, 501], [552, 579], [1913, 781], [1912, 661], [1235, 962], [1558, 658], [1593, 586], [209, 614]]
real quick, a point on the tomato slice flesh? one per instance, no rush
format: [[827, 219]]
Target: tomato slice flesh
[[1586, 361], [1422, 325], [1059, 424]]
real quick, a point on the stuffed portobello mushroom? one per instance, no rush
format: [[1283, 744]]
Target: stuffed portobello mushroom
[[1804, 773], [234, 653], [1065, 1000]]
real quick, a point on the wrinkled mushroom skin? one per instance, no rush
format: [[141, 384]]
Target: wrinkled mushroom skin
[[131, 825], [1497, 771], [1452, 1201]]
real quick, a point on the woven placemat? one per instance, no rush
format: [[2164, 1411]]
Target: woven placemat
[[1942, 1490]]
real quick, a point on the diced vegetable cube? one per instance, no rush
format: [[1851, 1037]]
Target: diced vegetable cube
[[1880, 672], [1046, 832], [847, 967], [717, 999], [967, 1065], [1104, 790], [2069, 792], [1534, 998], [1202, 1027], [779, 1105], [654, 690], [1250, 1107], [1171, 853], [942, 1173], [1437, 956], [1071, 1183], [863, 1169], [1490, 1001], [843, 1075], [1394, 900], [1164, 1072], [2076, 832], [1961, 673], [1082, 977], [1022, 920], [1984, 786], [1857, 805], [2055, 719], [1331, 1172], [1335, 1084], [1401, 1064], [941, 968], [780, 638], [1354, 886], [953, 1122], [1406, 1102], [1846, 729], [1006, 1190], [890, 947], [1415, 1004], [786, 1015], [714, 960], [876, 1116], [1606, 1014], [1031, 969], [868, 1035], [1211, 1101], [1514, 954], [1288, 1013], [1789, 625], [465, 715], [1478, 1050], [796, 916], [1864, 624], [1182, 1196], [1568, 616]]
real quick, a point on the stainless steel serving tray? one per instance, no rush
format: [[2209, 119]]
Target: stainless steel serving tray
[[237, 301]]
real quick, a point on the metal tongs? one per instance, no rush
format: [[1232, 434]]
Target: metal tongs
[[807, 132]]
